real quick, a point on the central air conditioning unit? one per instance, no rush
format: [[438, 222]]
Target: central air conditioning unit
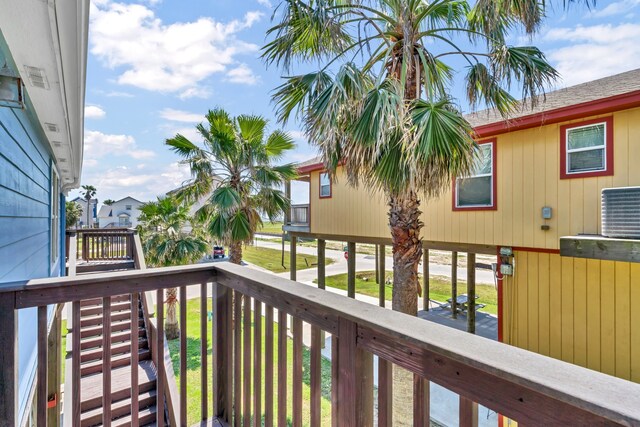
[[621, 212]]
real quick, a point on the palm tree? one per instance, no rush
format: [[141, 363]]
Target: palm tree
[[73, 213], [237, 158], [109, 202], [164, 226], [381, 105], [88, 194]]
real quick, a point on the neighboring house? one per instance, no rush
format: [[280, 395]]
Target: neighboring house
[[537, 188], [122, 213], [93, 211], [41, 143]]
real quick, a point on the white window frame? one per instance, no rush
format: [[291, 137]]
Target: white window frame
[[568, 151], [491, 174], [54, 232], [326, 185]]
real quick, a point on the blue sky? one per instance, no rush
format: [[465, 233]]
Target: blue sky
[[156, 66]]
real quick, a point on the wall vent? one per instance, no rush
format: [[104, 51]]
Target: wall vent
[[52, 127], [37, 77], [57, 144], [621, 212], [63, 160]]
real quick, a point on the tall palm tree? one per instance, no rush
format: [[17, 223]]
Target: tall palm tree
[[168, 239], [382, 105], [234, 172], [88, 193]]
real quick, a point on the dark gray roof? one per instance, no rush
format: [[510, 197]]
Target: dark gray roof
[[590, 91]]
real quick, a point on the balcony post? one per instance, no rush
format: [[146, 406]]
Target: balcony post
[[454, 284], [8, 361], [382, 293], [425, 279], [351, 269], [287, 194], [293, 240], [471, 293], [321, 263]]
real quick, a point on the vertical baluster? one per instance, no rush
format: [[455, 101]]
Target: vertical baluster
[[204, 402], [257, 363], [222, 353], [421, 414], [346, 378], [160, 381], [297, 372], [385, 393], [468, 413], [9, 360], [316, 375], [268, 367], [183, 355], [75, 362], [106, 361], [282, 368], [335, 372], [237, 363], [135, 392], [42, 367], [246, 350]]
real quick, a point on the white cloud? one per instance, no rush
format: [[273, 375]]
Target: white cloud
[[265, 3], [181, 116], [242, 74], [94, 112], [98, 145], [196, 92], [594, 51], [189, 132], [615, 8], [297, 134], [168, 58], [116, 94], [142, 183]]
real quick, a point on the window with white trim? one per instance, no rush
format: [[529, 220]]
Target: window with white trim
[[476, 190], [55, 216], [586, 148], [325, 184]]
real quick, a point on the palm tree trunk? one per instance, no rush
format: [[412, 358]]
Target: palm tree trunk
[[172, 329], [235, 252], [405, 225]]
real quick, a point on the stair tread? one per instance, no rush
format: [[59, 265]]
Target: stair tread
[[119, 408], [145, 417], [119, 360], [118, 325], [117, 349], [91, 386], [98, 301], [115, 308], [116, 337]]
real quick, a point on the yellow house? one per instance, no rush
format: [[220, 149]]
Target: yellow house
[[536, 194]]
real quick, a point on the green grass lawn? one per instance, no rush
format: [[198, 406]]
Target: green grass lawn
[[439, 288], [194, 370], [271, 259], [271, 227]]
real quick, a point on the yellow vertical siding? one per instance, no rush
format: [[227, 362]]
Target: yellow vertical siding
[[528, 178], [576, 310]]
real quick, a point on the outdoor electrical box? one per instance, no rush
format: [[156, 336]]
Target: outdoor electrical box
[[547, 212], [506, 269], [506, 261]]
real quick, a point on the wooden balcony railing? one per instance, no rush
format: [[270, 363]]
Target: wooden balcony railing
[[94, 244], [299, 215], [250, 311]]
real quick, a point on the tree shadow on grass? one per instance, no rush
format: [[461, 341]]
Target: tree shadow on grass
[[194, 359]]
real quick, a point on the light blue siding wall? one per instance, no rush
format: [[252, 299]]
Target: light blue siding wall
[[25, 223]]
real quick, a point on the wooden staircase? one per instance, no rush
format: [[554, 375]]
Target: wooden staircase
[[91, 366]]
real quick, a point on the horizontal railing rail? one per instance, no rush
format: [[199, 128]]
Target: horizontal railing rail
[[250, 312]]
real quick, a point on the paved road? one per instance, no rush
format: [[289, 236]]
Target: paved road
[[366, 262]]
